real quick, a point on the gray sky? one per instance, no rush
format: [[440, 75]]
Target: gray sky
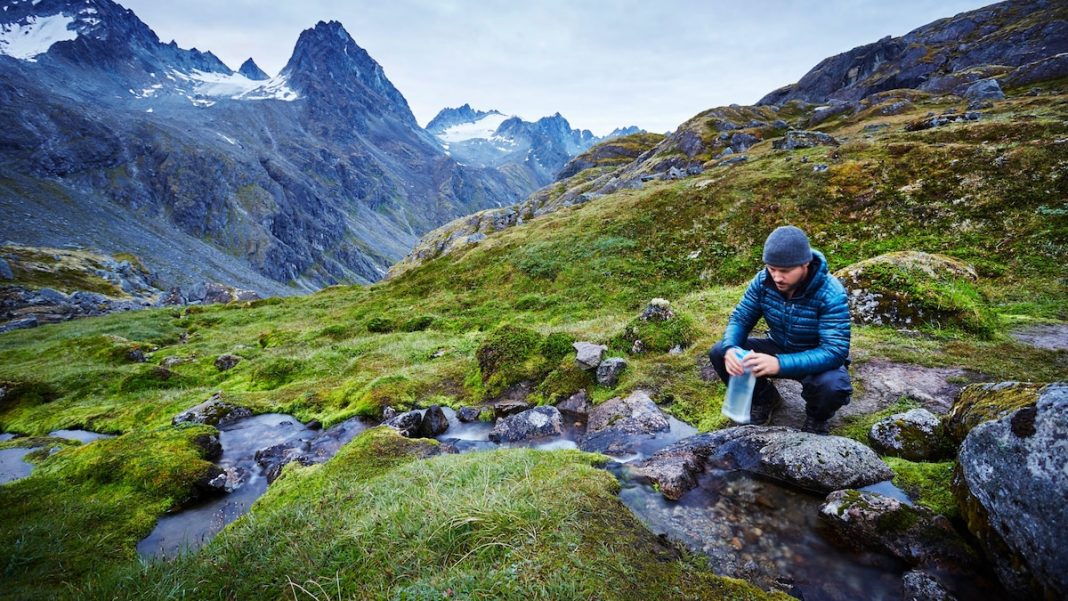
[[600, 63]]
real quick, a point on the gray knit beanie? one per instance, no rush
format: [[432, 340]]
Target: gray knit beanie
[[787, 246]]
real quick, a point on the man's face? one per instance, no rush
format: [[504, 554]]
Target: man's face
[[787, 279]]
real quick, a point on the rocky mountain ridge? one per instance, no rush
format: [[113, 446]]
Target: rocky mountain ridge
[[121, 143]]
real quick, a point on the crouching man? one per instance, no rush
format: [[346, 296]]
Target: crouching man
[[808, 321]]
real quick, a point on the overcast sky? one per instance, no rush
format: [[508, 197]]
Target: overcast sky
[[600, 63]]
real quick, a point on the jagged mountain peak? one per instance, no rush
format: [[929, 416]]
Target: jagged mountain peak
[[327, 64], [251, 70], [450, 117]]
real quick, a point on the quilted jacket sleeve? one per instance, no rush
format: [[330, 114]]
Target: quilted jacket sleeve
[[834, 332], [745, 316]]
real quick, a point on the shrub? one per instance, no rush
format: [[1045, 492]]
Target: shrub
[[379, 325], [418, 324]]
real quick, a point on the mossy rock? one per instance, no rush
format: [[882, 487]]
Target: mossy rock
[[26, 393], [980, 403], [508, 355], [564, 381], [657, 336], [914, 289]]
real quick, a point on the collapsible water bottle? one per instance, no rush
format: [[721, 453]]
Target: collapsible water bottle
[[739, 398]]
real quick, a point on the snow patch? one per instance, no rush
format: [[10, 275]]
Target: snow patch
[[483, 128], [236, 86], [26, 42], [227, 138]]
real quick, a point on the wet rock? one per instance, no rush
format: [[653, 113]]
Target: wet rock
[[388, 413], [576, 404], [1053, 337], [468, 414], [1011, 485], [5, 270], [916, 435], [433, 423], [609, 370], [886, 382], [588, 355], [538, 422], [913, 534], [274, 458], [314, 425], [980, 403], [618, 425], [809, 461], [227, 480], [225, 362], [803, 139], [209, 445], [918, 585], [212, 412], [509, 407], [406, 424]]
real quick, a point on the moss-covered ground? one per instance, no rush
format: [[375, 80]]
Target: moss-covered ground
[[990, 193]]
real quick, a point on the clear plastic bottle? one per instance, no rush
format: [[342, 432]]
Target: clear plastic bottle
[[739, 399]]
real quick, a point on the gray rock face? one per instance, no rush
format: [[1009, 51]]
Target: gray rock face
[[913, 534], [619, 425], [609, 370], [433, 423], [5, 270], [803, 139], [984, 89], [588, 355], [212, 412], [916, 435], [1012, 488], [809, 461], [406, 424], [577, 404], [538, 422]]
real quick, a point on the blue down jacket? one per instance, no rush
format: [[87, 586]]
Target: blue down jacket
[[813, 327]]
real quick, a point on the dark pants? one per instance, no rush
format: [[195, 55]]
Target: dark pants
[[824, 392]]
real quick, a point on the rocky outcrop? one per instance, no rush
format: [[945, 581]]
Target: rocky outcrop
[[538, 422], [810, 461], [1011, 485], [803, 139], [212, 412], [207, 293], [913, 534], [916, 435], [1009, 34]]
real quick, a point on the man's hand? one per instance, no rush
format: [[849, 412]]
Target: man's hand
[[734, 365], [760, 364]]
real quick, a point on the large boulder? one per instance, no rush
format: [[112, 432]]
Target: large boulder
[[916, 435], [538, 422], [981, 403], [576, 404], [588, 355], [913, 534], [809, 461], [910, 289], [406, 424], [213, 412], [984, 89], [1012, 486]]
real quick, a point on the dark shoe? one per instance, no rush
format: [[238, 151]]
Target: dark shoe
[[760, 413], [816, 426]]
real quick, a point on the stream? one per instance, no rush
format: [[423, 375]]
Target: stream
[[14, 467]]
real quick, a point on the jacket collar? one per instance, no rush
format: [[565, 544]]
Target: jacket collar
[[813, 281]]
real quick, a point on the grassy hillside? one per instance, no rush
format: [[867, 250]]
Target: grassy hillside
[[990, 192]]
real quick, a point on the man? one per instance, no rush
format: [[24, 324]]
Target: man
[[808, 322]]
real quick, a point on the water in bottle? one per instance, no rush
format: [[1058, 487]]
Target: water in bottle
[[739, 393]]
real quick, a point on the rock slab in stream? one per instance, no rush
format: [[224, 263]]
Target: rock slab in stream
[[538, 422], [433, 423], [1012, 486], [913, 534], [810, 461], [919, 585], [618, 425], [406, 424], [212, 412]]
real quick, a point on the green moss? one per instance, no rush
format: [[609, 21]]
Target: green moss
[[418, 324], [928, 484], [509, 355], [857, 427], [562, 382], [984, 402], [379, 324], [149, 377], [275, 371]]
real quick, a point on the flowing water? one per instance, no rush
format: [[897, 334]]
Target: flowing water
[[14, 467], [193, 527]]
